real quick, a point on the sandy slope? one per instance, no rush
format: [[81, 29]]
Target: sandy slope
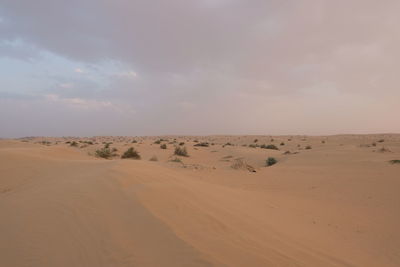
[[336, 204]]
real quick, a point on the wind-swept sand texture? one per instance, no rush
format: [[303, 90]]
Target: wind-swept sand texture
[[336, 204]]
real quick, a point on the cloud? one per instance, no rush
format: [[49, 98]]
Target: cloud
[[78, 70], [86, 104], [226, 64]]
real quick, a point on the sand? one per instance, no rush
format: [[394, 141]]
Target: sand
[[336, 204]]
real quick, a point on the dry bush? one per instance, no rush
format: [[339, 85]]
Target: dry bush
[[131, 153], [240, 164], [181, 151]]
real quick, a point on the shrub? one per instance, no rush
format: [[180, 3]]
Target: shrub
[[104, 153], [134, 141], [181, 151], [204, 144], [75, 144], [255, 140], [323, 141], [395, 161], [383, 150], [240, 164], [381, 140], [308, 147], [282, 144], [227, 144], [181, 143], [163, 146], [253, 145], [131, 153], [270, 161], [46, 143], [157, 142], [269, 147]]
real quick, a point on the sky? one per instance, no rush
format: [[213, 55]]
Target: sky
[[199, 67]]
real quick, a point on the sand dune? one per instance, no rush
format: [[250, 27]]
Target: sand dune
[[335, 204]]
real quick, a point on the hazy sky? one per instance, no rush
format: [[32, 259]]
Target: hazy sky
[[149, 67]]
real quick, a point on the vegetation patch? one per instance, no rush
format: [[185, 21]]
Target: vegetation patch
[[227, 144], [176, 159], [163, 146], [104, 153], [394, 161], [240, 164], [274, 147], [74, 144], [131, 153], [181, 151], [203, 144], [271, 161]]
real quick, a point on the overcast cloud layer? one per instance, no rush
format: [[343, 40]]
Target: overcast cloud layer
[[126, 67]]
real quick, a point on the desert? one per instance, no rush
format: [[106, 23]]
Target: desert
[[326, 201]]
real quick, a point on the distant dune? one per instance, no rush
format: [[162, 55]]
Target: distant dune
[[322, 201]]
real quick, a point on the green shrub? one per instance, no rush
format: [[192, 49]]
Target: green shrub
[[131, 153], [104, 153], [157, 142], [395, 161], [181, 151], [270, 161], [163, 146], [269, 147]]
